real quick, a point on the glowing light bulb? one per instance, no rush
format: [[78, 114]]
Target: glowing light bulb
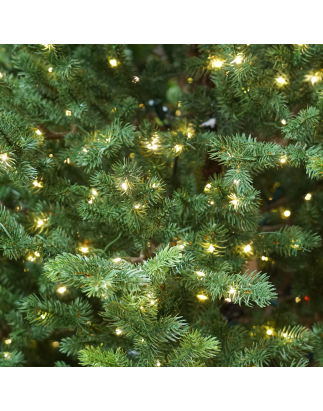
[[137, 205], [287, 213], [135, 79], [4, 157], [158, 364], [116, 260], [212, 202], [234, 201], [314, 79], [189, 135], [1, 75], [201, 297], [38, 132], [232, 290], [264, 258], [178, 148], [269, 332], [154, 185], [238, 60], [6, 354], [113, 62], [283, 160], [84, 249], [211, 249], [8, 341], [190, 80], [124, 186], [152, 302], [62, 290], [50, 69], [283, 121], [298, 299], [285, 335], [200, 273], [218, 63], [37, 254], [68, 113], [247, 248], [43, 316], [181, 246], [207, 187], [281, 80], [118, 331], [40, 222], [55, 344], [228, 300], [35, 183], [236, 181], [94, 192], [90, 201], [308, 196]]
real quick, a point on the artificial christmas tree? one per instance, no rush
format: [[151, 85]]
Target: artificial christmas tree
[[161, 205]]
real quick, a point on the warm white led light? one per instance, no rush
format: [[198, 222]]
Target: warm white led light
[[116, 260], [211, 248], [247, 248], [113, 62], [287, 213], [84, 249], [62, 290], [200, 273], [308, 196]]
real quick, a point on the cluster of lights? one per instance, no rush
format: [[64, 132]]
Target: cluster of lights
[[264, 258]]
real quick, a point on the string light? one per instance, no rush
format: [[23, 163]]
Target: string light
[[217, 63], [55, 344], [232, 290], [158, 364], [116, 260], [200, 273], [308, 196], [212, 202], [189, 135], [90, 201], [298, 299], [264, 258], [269, 332], [247, 248], [181, 246], [40, 222], [190, 80], [283, 121], [152, 302], [94, 192], [237, 60], [50, 69], [1, 75], [287, 213], [118, 331], [285, 335], [314, 79], [135, 79], [201, 297], [6, 354], [68, 113], [207, 187], [8, 341], [84, 249], [228, 300], [234, 201], [113, 62], [38, 132], [37, 254], [137, 205], [36, 184], [281, 80], [124, 186], [4, 157], [61, 290], [178, 148], [283, 160], [211, 248], [85, 150], [43, 316]]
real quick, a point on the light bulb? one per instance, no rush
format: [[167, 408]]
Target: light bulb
[[285, 335], [84, 249], [118, 331], [152, 302], [43, 316], [238, 60], [283, 160], [281, 80], [113, 62], [269, 332], [201, 297], [55, 344], [94, 192], [264, 258], [50, 69], [189, 135], [6, 354], [37, 254], [181, 246], [211, 249], [298, 299], [207, 187], [308, 196], [1, 75], [8, 341], [158, 364], [116, 260], [283, 121], [287, 213], [4, 157], [247, 248], [124, 186], [212, 202], [200, 273], [178, 148], [38, 132], [68, 113], [90, 201], [137, 205], [234, 201], [217, 63], [228, 300], [35, 183], [40, 222], [61, 290], [232, 290], [314, 79]]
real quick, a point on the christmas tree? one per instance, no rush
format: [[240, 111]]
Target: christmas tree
[[161, 205]]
